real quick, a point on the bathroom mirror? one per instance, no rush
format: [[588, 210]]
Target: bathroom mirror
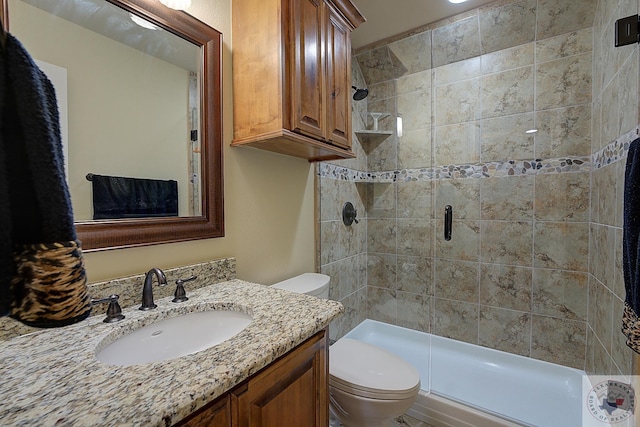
[[184, 43]]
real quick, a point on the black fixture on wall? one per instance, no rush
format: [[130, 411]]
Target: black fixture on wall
[[349, 214], [627, 31], [360, 94]]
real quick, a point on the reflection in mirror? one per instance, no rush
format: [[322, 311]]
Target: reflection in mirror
[[143, 107]]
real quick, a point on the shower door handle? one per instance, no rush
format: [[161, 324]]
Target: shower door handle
[[448, 221]]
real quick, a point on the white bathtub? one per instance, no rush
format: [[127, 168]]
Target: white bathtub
[[471, 385]]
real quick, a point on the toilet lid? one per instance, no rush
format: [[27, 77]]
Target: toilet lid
[[366, 370], [306, 283]]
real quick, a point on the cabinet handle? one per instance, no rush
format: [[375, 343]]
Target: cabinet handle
[[448, 221]]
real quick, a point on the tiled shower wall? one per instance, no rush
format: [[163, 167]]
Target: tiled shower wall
[[532, 267]]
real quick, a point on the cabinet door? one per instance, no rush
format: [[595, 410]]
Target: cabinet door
[[293, 391], [305, 69], [217, 414], [338, 65]]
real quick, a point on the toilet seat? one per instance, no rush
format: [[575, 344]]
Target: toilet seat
[[362, 369]]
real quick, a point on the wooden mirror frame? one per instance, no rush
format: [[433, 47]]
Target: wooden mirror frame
[[118, 234]]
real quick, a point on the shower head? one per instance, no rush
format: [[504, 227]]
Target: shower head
[[360, 94]]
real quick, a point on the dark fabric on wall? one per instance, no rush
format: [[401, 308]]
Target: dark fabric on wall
[[631, 246], [122, 197]]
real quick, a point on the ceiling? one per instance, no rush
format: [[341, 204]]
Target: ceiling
[[386, 18]]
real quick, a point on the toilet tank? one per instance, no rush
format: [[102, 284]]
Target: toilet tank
[[316, 284]]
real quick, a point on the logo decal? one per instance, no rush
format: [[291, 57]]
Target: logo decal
[[611, 401]]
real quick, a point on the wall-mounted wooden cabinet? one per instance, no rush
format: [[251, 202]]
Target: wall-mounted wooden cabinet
[[292, 76]]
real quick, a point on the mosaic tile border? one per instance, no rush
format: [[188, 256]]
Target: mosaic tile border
[[615, 151]]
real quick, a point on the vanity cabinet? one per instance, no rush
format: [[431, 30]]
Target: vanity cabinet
[[292, 391], [292, 76]]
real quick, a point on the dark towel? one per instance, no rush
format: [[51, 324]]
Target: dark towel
[[122, 197], [36, 213], [631, 247]]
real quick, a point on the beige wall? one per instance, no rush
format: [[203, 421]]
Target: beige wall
[[269, 203]]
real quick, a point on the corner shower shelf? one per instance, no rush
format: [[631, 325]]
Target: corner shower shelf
[[373, 136]]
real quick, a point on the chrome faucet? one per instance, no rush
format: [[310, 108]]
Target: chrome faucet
[[147, 291]]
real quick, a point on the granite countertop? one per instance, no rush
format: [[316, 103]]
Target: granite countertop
[[53, 378]]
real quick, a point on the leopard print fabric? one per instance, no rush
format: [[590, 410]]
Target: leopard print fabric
[[631, 328], [50, 285]]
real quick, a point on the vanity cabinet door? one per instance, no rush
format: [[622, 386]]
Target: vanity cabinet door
[[292, 391], [217, 414]]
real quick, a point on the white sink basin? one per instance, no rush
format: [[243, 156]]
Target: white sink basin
[[175, 337]]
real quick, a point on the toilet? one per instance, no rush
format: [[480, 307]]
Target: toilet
[[368, 386], [315, 284]]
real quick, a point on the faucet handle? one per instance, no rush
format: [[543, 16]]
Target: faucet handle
[[180, 294], [114, 312]]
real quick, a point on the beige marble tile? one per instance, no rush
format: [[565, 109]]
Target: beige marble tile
[[415, 110], [602, 253], [381, 270], [456, 41], [560, 293], [564, 82], [505, 138], [596, 125], [415, 237], [561, 245], [415, 199], [602, 305], [415, 274], [507, 198], [563, 132], [610, 120], [458, 102], [415, 149], [331, 250], [382, 305], [505, 330], [413, 52], [457, 280], [508, 92], [457, 144], [415, 82], [562, 197], [414, 311], [381, 235], [605, 183], [464, 244], [628, 107], [458, 71], [618, 284], [378, 92], [506, 242], [569, 44], [379, 65], [455, 319], [463, 195], [562, 16], [558, 340], [506, 286], [508, 59], [507, 24], [381, 200], [330, 207]]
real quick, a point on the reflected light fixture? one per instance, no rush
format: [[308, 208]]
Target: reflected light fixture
[[142, 22], [176, 4], [457, 1]]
